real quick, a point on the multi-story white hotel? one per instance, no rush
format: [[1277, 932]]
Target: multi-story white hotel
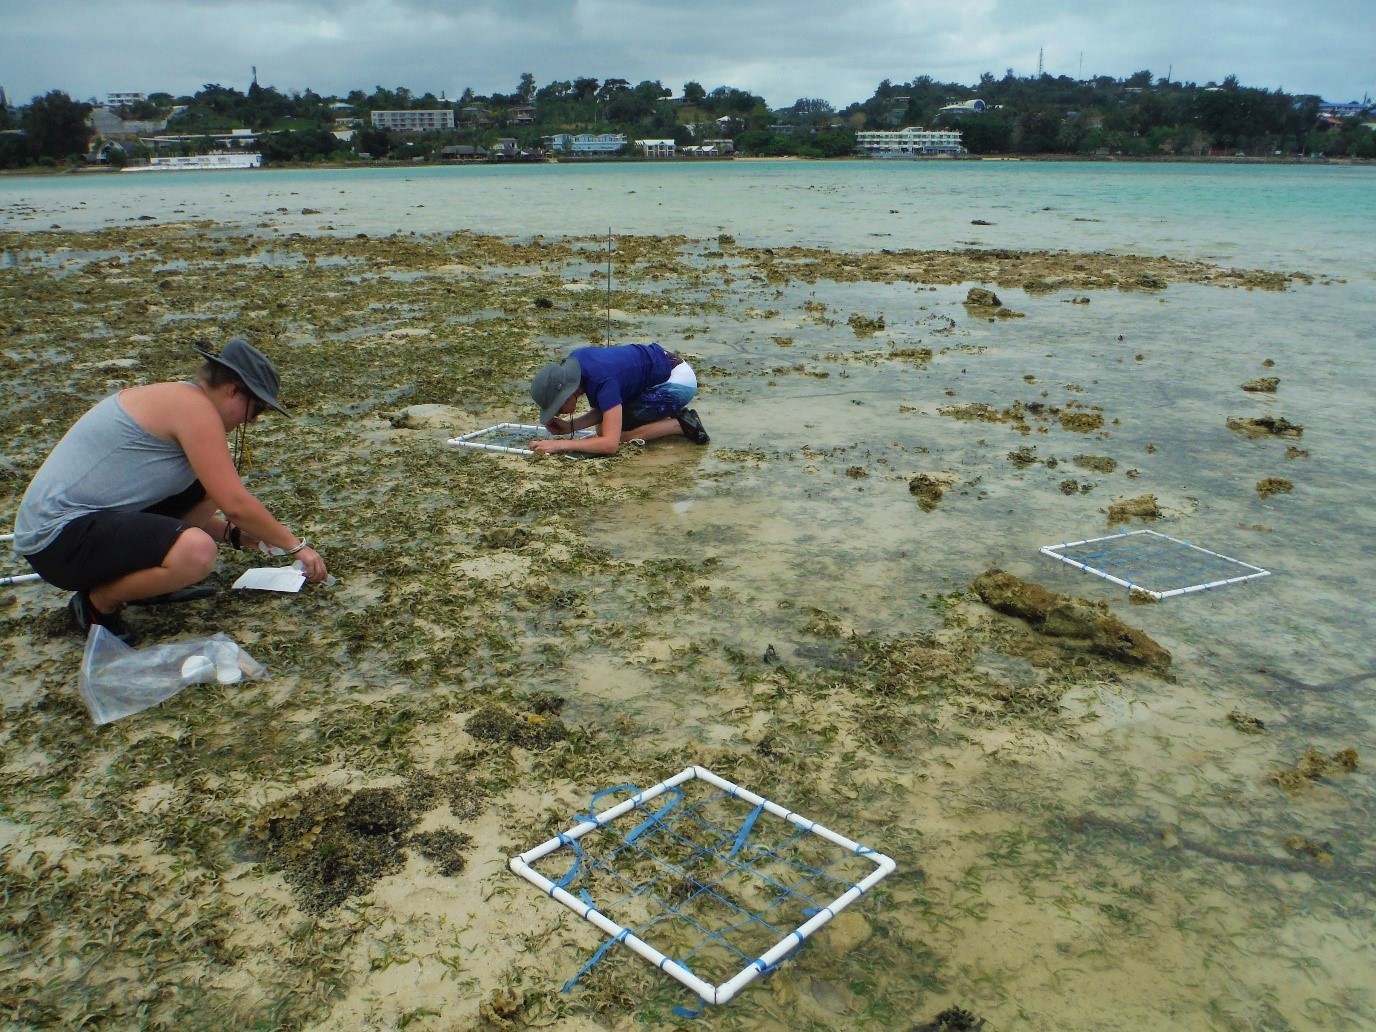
[[907, 143], [584, 143], [123, 99], [428, 120]]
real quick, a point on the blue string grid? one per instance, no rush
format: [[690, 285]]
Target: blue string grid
[[508, 438], [726, 883], [1155, 564]]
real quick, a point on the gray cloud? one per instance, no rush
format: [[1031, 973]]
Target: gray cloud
[[781, 49]]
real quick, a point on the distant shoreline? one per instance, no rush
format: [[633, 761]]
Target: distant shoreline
[[1158, 159]]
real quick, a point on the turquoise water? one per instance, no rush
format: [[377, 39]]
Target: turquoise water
[[1322, 218]]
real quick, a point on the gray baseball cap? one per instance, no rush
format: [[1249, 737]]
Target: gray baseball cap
[[251, 366], [553, 385]]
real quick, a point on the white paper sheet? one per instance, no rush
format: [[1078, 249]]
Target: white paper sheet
[[271, 578]]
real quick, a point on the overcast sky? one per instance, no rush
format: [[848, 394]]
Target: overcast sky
[[779, 49]]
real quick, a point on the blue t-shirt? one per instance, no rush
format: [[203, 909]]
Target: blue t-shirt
[[619, 375]]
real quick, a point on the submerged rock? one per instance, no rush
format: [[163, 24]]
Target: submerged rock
[[1275, 426], [928, 488], [1098, 463], [1143, 507], [428, 417], [1089, 625]]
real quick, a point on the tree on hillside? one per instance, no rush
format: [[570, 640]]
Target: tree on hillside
[[559, 90], [221, 100], [1039, 131], [56, 126], [374, 141], [1300, 120], [727, 100], [297, 145], [398, 99], [525, 92], [14, 151], [611, 87], [988, 134], [693, 93], [144, 110], [1233, 113], [811, 106]]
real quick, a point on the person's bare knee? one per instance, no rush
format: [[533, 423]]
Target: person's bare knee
[[192, 555]]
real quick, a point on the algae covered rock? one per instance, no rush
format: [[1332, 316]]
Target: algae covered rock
[[928, 488], [978, 297], [864, 326], [1098, 463], [1264, 426], [1143, 507], [1073, 621], [1014, 596], [535, 731], [428, 417]]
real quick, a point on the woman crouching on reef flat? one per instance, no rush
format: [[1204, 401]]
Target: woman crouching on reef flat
[[124, 509]]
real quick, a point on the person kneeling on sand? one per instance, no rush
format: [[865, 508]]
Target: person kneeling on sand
[[634, 392], [124, 509]]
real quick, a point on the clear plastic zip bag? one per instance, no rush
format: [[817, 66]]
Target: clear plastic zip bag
[[118, 680]]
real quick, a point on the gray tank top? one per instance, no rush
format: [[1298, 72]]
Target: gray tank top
[[105, 462]]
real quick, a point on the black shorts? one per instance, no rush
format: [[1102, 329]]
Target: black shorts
[[103, 546]]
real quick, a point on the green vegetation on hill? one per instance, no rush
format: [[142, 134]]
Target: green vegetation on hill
[[1135, 117]]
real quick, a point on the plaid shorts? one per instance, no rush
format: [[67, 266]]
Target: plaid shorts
[[668, 399]]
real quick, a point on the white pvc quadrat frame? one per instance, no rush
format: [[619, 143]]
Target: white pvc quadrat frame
[[716, 994], [530, 430], [19, 578], [1253, 571]]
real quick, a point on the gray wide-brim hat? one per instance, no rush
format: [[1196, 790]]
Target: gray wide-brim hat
[[251, 366], [553, 385]]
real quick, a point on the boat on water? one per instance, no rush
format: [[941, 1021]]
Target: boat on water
[[200, 163]]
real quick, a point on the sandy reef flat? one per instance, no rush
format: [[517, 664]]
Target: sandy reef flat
[[1084, 839]]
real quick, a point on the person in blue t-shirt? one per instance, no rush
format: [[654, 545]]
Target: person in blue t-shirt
[[634, 391]]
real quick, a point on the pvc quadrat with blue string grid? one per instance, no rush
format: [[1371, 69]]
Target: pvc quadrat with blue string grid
[[1154, 564], [709, 882], [508, 438]]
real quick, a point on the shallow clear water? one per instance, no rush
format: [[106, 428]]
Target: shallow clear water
[[1319, 219]]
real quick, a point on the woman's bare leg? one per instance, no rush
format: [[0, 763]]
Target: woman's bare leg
[[190, 559]]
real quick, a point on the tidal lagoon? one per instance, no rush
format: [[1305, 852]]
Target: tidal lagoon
[[1083, 841]]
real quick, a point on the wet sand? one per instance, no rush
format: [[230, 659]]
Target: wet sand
[[1082, 842]]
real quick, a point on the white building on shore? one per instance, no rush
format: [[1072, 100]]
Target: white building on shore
[[427, 120], [584, 144], [911, 142], [656, 148]]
